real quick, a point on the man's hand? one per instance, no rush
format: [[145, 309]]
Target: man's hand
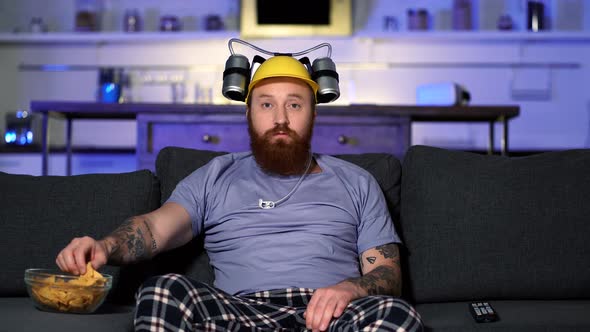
[[329, 302], [380, 275], [78, 252]]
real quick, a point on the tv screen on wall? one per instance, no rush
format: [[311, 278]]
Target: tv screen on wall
[[272, 18], [299, 12]]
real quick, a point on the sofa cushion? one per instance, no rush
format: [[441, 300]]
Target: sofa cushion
[[491, 227], [521, 316], [19, 314], [39, 215], [175, 163]]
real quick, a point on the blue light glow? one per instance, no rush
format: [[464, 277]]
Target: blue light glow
[[10, 137], [110, 93], [29, 137], [21, 114], [110, 87]]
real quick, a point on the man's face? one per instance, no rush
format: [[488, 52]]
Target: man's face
[[280, 123]]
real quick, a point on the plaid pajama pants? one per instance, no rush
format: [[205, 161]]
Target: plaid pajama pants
[[175, 303]]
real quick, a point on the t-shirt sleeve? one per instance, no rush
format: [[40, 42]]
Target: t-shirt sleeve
[[376, 226], [190, 194]]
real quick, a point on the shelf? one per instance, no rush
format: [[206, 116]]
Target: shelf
[[405, 36], [112, 37], [36, 149], [480, 36]]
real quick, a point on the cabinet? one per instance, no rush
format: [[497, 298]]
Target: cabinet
[[351, 132]]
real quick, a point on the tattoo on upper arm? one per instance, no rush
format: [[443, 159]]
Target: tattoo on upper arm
[[362, 263], [391, 251], [384, 278], [388, 250]]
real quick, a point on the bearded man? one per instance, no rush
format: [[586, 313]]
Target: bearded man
[[297, 240]]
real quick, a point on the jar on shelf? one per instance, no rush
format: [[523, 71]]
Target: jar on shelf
[[132, 21], [36, 25], [505, 22], [417, 19], [170, 23], [87, 15]]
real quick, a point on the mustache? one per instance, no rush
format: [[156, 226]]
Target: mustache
[[278, 129]]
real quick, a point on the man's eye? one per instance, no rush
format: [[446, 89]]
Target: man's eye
[[295, 106], [266, 105]]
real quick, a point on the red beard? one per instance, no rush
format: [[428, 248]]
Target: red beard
[[281, 157]]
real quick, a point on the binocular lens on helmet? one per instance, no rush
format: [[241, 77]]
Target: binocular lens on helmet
[[324, 73], [236, 77]]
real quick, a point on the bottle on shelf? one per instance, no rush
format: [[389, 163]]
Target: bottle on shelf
[[462, 15]]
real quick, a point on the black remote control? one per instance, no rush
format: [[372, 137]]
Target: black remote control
[[483, 312]]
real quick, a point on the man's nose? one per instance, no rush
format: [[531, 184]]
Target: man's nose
[[281, 116]]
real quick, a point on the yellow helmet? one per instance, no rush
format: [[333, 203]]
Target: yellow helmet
[[282, 66]]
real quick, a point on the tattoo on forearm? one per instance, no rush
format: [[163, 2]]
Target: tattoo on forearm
[[135, 244], [129, 242], [371, 259], [153, 240], [382, 280]]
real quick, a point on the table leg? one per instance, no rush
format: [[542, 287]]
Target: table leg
[[491, 138], [69, 146], [44, 143], [406, 127], [504, 142]]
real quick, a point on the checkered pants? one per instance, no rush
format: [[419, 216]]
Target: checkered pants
[[176, 303]]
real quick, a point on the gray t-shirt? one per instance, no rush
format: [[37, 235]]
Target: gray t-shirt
[[313, 239]]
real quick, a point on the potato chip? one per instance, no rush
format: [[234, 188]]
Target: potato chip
[[90, 278]]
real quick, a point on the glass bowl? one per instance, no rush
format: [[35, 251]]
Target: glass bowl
[[60, 292]]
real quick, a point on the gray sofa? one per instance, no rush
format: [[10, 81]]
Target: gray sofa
[[511, 231]]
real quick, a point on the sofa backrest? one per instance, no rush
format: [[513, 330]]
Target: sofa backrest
[[39, 215], [491, 227], [174, 163]]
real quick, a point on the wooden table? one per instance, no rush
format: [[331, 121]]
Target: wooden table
[[406, 114]]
